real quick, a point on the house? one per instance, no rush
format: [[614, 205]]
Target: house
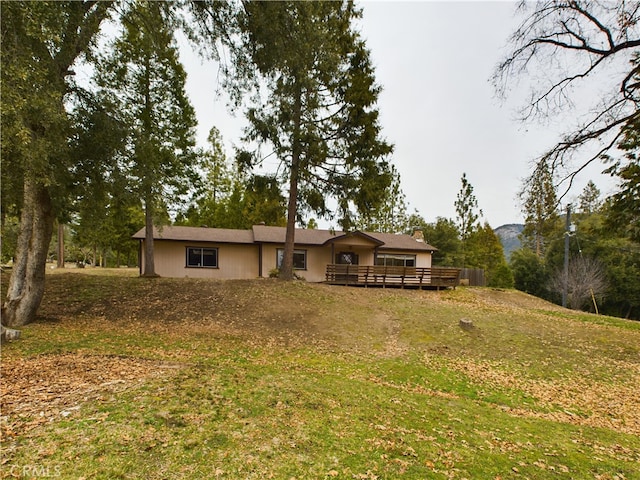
[[320, 255]]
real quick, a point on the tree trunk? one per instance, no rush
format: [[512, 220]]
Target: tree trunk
[[8, 334], [286, 269], [60, 245], [149, 263], [26, 285]]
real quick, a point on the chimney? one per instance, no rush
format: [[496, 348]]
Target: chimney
[[418, 236]]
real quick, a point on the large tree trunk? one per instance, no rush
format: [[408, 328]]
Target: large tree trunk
[[26, 285], [286, 269], [149, 263], [60, 245]]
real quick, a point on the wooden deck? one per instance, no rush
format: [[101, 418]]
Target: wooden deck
[[398, 277]]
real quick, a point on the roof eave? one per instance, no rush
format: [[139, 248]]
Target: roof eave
[[373, 240]]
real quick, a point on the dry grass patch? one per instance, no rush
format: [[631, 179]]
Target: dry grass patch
[[186, 378], [572, 399], [42, 389]]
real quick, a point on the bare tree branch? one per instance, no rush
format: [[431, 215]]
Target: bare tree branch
[[565, 43]]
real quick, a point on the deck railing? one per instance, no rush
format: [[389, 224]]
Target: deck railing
[[383, 276]]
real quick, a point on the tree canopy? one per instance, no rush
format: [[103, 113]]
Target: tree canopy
[[315, 107]]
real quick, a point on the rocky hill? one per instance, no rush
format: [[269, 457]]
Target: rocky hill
[[509, 237]]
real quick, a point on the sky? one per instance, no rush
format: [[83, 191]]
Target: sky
[[438, 107]]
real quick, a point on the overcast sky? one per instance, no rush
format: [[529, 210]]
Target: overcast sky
[[433, 61]]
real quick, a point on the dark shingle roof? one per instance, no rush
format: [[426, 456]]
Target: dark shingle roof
[[199, 234], [266, 234], [387, 241]]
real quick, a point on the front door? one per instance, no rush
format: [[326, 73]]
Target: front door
[[347, 258]]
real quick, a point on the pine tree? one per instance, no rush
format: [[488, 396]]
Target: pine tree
[[540, 203], [318, 113], [467, 213], [589, 199], [624, 211], [144, 73], [391, 214]]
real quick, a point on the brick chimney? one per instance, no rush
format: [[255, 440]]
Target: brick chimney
[[418, 236]]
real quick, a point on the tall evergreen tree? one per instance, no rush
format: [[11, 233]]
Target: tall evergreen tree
[[467, 209], [485, 251], [467, 213], [101, 194], [319, 108], [232, 199], [144, 73], [625, 204], [540, 207], [391, 214], [589, 200]]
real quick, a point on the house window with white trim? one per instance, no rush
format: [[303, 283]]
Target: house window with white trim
[[198, 257], [395, 260], [299, 259]]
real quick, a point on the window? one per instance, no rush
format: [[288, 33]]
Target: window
[[347, 258], [299, 259], [396, 260], [202, 257]]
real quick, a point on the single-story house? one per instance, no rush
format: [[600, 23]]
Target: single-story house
[[243, 254]]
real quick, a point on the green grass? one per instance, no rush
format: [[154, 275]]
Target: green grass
[[124, 377]]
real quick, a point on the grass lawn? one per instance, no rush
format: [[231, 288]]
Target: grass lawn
[[126, 378]]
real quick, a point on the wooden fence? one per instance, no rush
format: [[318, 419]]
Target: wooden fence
[[473, 277]]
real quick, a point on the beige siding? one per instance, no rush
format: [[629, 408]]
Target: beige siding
[[354, 241], [317, 260], [241, 261], [234, 261], [423, 260]]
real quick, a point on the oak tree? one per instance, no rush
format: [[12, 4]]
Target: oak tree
[[565, 48], [41, 43]]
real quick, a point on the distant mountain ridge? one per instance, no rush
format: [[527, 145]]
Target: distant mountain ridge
[[509, 236]]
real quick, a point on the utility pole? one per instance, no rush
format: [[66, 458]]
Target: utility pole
[[567, 233]]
